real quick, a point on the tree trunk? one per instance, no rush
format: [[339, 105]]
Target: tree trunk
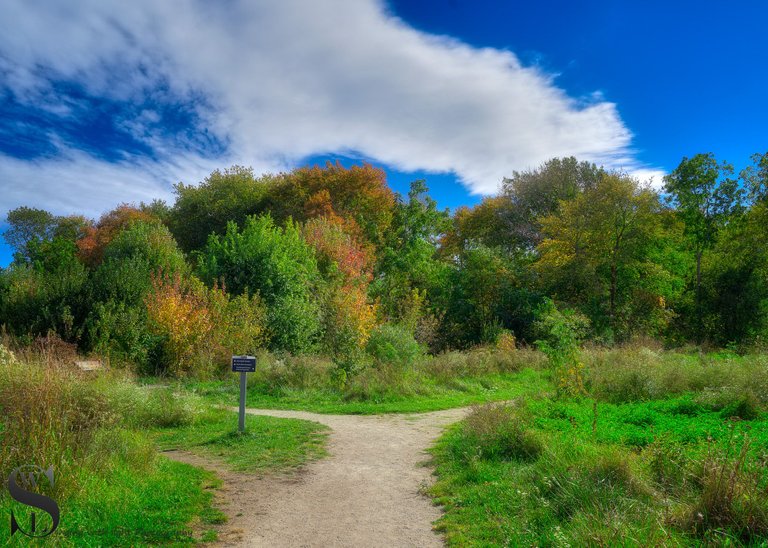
[[614, 276], [699, 325]]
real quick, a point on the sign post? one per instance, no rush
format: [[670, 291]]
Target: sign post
[[243, 365]]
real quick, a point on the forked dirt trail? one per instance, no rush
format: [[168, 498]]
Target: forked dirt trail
[[366, 492]]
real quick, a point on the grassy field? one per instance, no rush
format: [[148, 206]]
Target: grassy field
[[101, 433], [684, 466], [455, 379], [630, 446]]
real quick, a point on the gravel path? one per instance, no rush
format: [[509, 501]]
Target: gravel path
[[367, 492]]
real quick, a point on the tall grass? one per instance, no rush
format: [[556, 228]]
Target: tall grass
[[277, 375], [54, 414], [638, 374], [111, 486], [663, 449]]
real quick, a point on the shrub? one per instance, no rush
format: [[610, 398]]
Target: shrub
[[201, 328], [505, 342], [560, 333], [117, 324], [394, 345], [46, 294], [119, 332], [746, 407]]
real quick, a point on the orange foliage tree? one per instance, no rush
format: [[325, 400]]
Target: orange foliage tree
[[202, 327], [358, 195], [96, 238], [347, 266]]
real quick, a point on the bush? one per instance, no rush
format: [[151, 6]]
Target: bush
[[120, 333], [560, 334], [46, 294], [117, 324], [201, 328], [395, 346]]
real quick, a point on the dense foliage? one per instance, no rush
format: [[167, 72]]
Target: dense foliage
[[331, 261]]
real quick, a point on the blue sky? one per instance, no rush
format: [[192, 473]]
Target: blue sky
[[103, 102]]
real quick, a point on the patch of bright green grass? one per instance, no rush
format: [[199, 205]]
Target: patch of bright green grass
[[268, 444], [598, 485], [432, 395], [163, 503]]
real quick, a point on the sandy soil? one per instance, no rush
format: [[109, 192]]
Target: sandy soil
[[366, 492]]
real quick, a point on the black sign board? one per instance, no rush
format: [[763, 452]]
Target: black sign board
[[244, 364]]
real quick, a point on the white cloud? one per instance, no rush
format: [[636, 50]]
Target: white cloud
[[283, 79], [653, 177]]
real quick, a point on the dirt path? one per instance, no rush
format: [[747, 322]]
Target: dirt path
[[366, 492]]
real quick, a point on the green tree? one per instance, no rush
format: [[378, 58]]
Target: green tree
[[224, 196], [409, 268], [706, 197], [755, 178], [534, 194], [735, 281], [117, 323], [482, 225], [29, 226], [596, 248], [45, 293], [280, 266], [487, 291]]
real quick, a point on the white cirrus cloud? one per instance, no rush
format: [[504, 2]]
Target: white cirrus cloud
[[279, 80]]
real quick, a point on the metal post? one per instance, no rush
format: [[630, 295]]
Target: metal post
[[242, 401]]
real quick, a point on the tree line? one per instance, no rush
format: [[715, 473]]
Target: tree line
[[330, 260]]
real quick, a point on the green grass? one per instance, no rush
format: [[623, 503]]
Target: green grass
[[637, 477], [164, 502], [431, 395], [100, 432], [268, 444]]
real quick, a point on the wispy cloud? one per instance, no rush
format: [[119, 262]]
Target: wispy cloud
[[267, 83]]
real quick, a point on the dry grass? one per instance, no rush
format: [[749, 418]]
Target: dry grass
[[499, 432], [54, 414], [638, 373], [732, 494]]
